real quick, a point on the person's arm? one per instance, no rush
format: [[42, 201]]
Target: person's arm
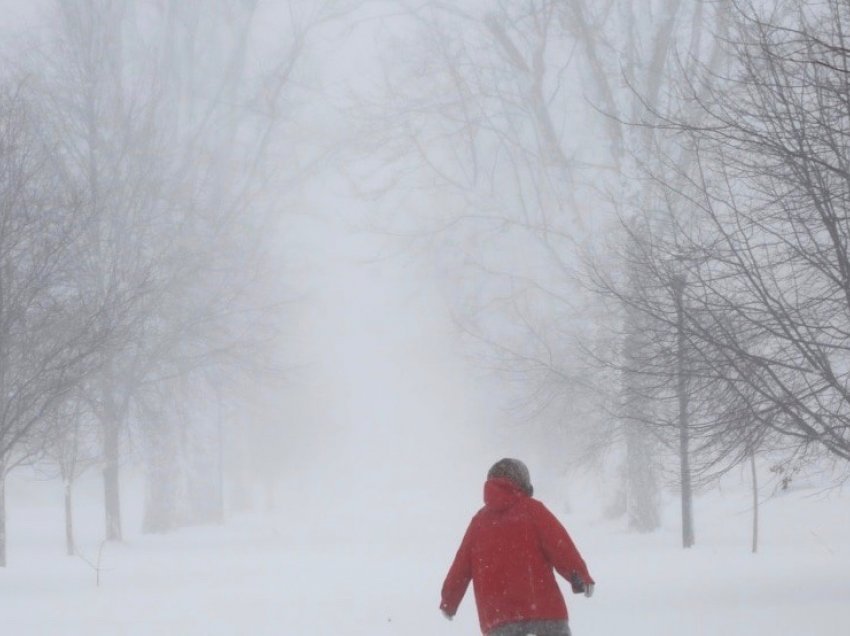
[[459, 576], [560, 550]]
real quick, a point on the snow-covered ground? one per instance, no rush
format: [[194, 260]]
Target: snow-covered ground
[[360, 563], [384, 473]]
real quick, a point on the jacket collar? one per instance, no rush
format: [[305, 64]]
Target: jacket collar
[[501, 493]]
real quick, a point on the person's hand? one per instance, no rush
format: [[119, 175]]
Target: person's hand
[[588, 590], [447, 615], [577, 583]]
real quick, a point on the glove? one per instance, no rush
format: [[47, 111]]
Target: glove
[[447, 615], [577, 583], [588, 590]]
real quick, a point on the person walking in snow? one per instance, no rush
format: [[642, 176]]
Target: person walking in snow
[[510, 551]]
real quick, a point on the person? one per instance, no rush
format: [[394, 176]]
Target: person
[[509, 552]]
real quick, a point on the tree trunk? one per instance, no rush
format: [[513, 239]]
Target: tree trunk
[[162, 479], [642, 496], [684, 432], [641, 491], [220, 467], [69, 519], [111, 486], [2, 515], [271, 493], [755, 504]]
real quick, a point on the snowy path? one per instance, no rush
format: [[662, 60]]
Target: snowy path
[[264, 576]]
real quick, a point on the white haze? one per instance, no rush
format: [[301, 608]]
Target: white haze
[[379, 432]]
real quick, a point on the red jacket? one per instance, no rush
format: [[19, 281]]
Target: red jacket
[[509, 552]]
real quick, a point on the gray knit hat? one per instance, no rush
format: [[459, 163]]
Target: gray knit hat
[[515, 471]]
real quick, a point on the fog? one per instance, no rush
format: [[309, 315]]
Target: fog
[[280, 280], [383, 393]]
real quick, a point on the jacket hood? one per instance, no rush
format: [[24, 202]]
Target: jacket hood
[[501, 493], [515, 470]]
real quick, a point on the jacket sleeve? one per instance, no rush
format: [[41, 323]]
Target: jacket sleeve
[[558, 547], [459, 576]]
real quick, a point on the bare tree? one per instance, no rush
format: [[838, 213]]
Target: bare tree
[[487, 114], [771, 191], [165, 130], [53, 332], [104, 117], [748, 276], [64, 448]]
